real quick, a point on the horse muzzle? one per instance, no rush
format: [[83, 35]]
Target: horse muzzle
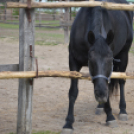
[[101, 96], [101, 100]]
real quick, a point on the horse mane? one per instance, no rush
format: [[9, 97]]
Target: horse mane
[[99, 47], [96, 20]]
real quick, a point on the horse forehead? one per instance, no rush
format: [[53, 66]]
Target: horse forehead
[[101, 52], [99, 58]]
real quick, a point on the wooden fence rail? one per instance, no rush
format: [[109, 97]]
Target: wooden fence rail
[[65, 74], [107, 5]]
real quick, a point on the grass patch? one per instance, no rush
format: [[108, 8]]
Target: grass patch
[[47, 35], [45, 22], [46, 132], [9, 26], [42, 132], [11, 21], [52, 22], [49, 38], [50, 35], [43, 36], [12, 26], [45, 28], [45, 43]]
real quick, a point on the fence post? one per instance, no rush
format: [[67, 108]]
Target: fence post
[[40, 16], [5, 11], [26, 39], [66, 28]]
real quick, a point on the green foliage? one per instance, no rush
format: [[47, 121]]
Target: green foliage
[[2, 7]]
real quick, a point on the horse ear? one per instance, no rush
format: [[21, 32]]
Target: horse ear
[[110, 37], [91, 37]]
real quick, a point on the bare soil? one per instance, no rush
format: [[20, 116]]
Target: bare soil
[[50, 98]]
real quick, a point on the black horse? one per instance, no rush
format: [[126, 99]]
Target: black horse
[[98, 36]]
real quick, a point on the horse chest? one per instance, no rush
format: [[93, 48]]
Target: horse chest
[[81, 57]]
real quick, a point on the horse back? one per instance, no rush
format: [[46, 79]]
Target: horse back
[[120, 22]]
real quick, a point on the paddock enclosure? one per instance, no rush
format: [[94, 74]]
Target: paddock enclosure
[[50, 96]]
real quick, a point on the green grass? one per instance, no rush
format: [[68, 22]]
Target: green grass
[[45, 43], [12, 26], [42, 132], [50, 35], [48, 21], [43, 36], [37, 21], [9, 26], [17, 21], [49, 38], [46, 132]]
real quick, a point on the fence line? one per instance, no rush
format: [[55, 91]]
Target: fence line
[[14, 19], [65, 74], [26, 55], [103, 4]]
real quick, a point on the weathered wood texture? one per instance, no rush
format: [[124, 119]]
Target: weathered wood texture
[[26, 38], [10, 67], [65, 74], [66, 28], [107, 5]]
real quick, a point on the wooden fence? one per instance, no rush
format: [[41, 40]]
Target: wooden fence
[[62, 21], [27, 60], [40, 18]]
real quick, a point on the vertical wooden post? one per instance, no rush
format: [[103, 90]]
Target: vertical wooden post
[[40, 17], [70, 14], [54, 13], [5, 12], [66, 28], [61, 17], [26, 39]]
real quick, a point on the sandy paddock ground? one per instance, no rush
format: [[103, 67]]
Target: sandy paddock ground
[[50, 98]]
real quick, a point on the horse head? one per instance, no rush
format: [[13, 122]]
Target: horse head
[[100, 62]]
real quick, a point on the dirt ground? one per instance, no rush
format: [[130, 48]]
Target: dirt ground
[[50, 98]]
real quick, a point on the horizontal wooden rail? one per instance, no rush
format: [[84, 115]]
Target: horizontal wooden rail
[[66, 74], [107, 5]]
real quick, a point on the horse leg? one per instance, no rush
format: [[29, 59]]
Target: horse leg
[[73, 92], [122, 104], [99, 109], [110, 121], [123, 56]]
